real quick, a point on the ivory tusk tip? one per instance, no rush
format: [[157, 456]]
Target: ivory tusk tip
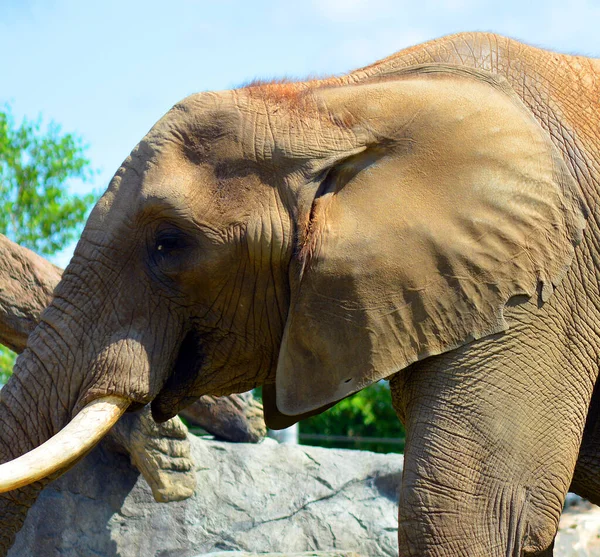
[[78, 437]]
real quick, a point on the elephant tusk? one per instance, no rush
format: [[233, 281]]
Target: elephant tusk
[[72, 442]]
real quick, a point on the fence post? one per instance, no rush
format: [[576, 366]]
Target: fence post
[[289, 435]]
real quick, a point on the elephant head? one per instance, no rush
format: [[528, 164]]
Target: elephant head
[[309, 237]]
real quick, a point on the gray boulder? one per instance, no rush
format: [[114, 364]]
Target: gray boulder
[[250, 498], [310, 554]]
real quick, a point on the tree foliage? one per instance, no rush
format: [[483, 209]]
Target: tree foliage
[[368, 413], [37, 210], [7, 361]]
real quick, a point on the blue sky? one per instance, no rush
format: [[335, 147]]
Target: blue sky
[[109, 69]]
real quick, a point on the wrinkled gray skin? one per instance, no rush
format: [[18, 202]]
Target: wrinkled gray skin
[[182, 282], [161, 452], [237, 418]]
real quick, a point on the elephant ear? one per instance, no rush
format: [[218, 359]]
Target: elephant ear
[[274, 419], [456, 205]]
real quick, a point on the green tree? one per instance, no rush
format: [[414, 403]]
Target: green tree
[[7, 361], [367, 414], [37, 163]]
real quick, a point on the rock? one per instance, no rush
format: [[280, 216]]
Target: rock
[[311, 554], [251, 500], [579, 530]]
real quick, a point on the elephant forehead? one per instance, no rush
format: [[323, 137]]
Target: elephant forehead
[[173, 181], [202, 192]]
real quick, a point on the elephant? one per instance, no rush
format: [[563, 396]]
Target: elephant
[[161, 452], [429, 219]]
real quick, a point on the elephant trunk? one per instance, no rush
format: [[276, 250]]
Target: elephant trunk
[[32, 409], [49, 381]]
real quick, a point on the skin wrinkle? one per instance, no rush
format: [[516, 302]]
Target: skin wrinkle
[[255, 262], [237, 280], [84, 273], [57, 341], [24, 433], [23, 385], [274, 257], [63, 405], [60, 307]]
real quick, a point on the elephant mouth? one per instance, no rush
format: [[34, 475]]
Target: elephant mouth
[[99, 415], [175, 393]]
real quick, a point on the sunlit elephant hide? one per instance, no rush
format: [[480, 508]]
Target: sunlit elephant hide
[[422, 219]]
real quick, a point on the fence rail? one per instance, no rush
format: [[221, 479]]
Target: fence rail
[[323, 438], [347, 439]]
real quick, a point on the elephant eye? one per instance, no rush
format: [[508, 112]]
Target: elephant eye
[[170, 252], [168, 242]]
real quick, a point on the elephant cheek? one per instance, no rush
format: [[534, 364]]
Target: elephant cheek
[[121, 368], [179, 389]]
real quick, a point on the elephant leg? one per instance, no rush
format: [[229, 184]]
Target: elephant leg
[[490, 448], [586, 479]]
